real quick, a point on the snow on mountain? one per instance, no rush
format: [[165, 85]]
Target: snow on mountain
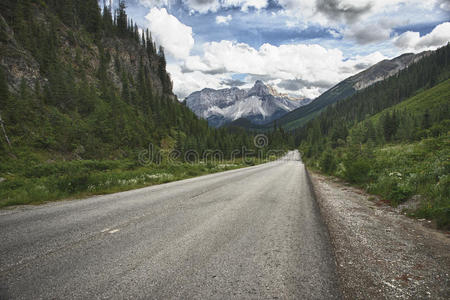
[[260, 105]]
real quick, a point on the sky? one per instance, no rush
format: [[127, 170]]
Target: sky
[[302, 48]]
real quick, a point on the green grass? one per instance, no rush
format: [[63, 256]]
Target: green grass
[[396, 172], [31, 181], [399, 170]]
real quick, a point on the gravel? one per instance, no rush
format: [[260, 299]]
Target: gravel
[[380, 253]]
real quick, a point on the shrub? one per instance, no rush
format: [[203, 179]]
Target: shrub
[[356, 171], [73, 183], [327, 162]]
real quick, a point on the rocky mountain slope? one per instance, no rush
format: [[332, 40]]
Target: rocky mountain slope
[[260, 105], [81, 82], [348, 87], [384, 69], [75, 48]]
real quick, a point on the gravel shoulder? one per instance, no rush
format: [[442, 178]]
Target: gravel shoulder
[[380, 253]]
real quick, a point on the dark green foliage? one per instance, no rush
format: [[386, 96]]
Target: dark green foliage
[[122, 19], [392, 145], [4, 92], [78, 112], [382, 95], [327, 162], [302, 115], [356, 169]]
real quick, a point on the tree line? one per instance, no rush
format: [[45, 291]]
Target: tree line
[[75, 111]]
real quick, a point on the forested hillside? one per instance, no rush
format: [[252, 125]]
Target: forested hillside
[[85, 82], [83, 92], [392, 138]]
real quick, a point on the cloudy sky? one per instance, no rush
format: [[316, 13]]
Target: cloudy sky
[[302, 47]]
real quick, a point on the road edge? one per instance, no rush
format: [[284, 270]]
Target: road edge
[[324, 220]]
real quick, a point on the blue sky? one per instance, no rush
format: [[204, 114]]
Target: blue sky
[[300, 47]]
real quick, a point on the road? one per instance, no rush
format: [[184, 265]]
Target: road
[[249, 233]]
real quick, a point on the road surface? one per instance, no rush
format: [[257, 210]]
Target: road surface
[[249, 233]]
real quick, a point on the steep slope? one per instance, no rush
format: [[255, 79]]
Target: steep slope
[[435, 100], [348, 87], [259, 105], [391, 138], [77, 82]]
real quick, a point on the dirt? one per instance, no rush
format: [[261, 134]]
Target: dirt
[[381, 253]]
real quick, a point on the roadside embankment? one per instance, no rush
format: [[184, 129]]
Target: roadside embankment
[[380, 253]]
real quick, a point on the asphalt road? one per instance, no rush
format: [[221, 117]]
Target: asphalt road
[[248, 233]]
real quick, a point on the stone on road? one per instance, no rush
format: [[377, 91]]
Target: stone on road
[[249, 233]]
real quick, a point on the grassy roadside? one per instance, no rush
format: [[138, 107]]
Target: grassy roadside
[[397, 172], [32, 181]]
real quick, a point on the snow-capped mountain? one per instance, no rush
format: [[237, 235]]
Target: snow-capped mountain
[[260, 105]]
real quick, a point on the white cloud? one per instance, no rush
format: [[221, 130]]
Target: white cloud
[[156, 3], [223, 19], [329, 11], [186, 83], [298, 69], [245, 4], [202, 6], [368, 33], [313, 64], [359, 20], [168, 31], [412, 41]]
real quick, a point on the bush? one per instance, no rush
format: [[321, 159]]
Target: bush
[[356, 171], [327, 162], [73, 183]]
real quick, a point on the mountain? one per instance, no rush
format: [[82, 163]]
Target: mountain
[[259, 105], [348, 87], [80, 82]]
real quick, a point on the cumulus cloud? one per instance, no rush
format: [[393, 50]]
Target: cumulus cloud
[[301, 69], [444, 5], [233, 82], [350, 10], [297, 84], [245, 4], [202, 6], [223, 19], [298, 69], [368, 33], [359, 20], [412, 41], [186, 83], [168, 31], [339, 10]]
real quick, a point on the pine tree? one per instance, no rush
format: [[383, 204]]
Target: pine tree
[[426, 122], [122, 19], [165, 80], [4, 91]]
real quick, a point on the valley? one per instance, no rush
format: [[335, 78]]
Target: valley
[[224, 149]]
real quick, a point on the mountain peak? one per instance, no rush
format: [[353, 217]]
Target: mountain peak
[[259, 105], [259, 89]]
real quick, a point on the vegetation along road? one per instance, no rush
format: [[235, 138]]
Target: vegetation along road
[[249, 233]]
